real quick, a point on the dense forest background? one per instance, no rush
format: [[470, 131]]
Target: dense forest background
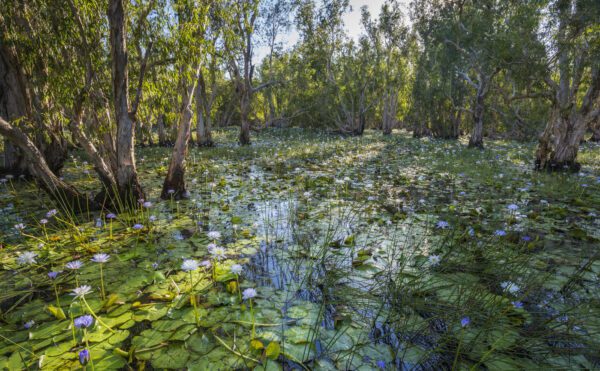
[[106, 76]]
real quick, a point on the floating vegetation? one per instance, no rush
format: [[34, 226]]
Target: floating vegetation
[[308, 251]]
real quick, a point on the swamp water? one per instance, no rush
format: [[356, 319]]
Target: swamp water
[[365, 253]]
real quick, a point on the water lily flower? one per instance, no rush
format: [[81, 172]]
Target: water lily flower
[[434, 260], [84, 321], [236, 269], [27, 257], [517, 304], [189, 265], [29, 324], [214, 235], [84, 357], [510, 286], [249, 293], [81, 291], [218, 253], [53, 275], [100, 258], [465, 321], [74, 265], [442, 224]]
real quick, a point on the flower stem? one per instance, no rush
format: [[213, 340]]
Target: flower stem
[[87, 346], [252, 314], [56, 293], [102, 284], [237, 280], [73, 328], [457, 350], [193, 299], [95, 316]]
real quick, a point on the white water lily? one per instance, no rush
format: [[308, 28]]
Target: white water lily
[[236, 269], [100, 258], [27, 257], [189, 265], [214, 235], [510, 287], [434, 260], [81, 291], [219, 253]]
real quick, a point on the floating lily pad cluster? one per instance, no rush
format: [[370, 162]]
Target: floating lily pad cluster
[[311, 251]]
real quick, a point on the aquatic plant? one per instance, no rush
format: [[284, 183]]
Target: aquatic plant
[[101, 259]]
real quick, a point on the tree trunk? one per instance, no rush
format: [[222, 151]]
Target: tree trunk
[[244, 112], [129, 188], [559, 143], [174, 184], [476, 140], [595, 128], [203, 133], [102, 168], [390, 104], [16, 104], [272, 111], [162, 132], [14, 162], [65, 195], [139, 128]]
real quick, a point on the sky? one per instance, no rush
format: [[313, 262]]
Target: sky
[[351, 23]]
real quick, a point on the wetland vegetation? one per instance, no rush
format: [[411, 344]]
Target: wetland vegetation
[[251, 185]]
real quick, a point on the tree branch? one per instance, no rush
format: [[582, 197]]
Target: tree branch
[[265, 85], [138, 93]]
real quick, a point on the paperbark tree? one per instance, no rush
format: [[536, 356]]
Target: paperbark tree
[[577, 52], [64, 194], [204, 103], [174, 184], [482, 87], [595, 128], [240, 49], [24, 103], [129, 189], [191, 34]]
